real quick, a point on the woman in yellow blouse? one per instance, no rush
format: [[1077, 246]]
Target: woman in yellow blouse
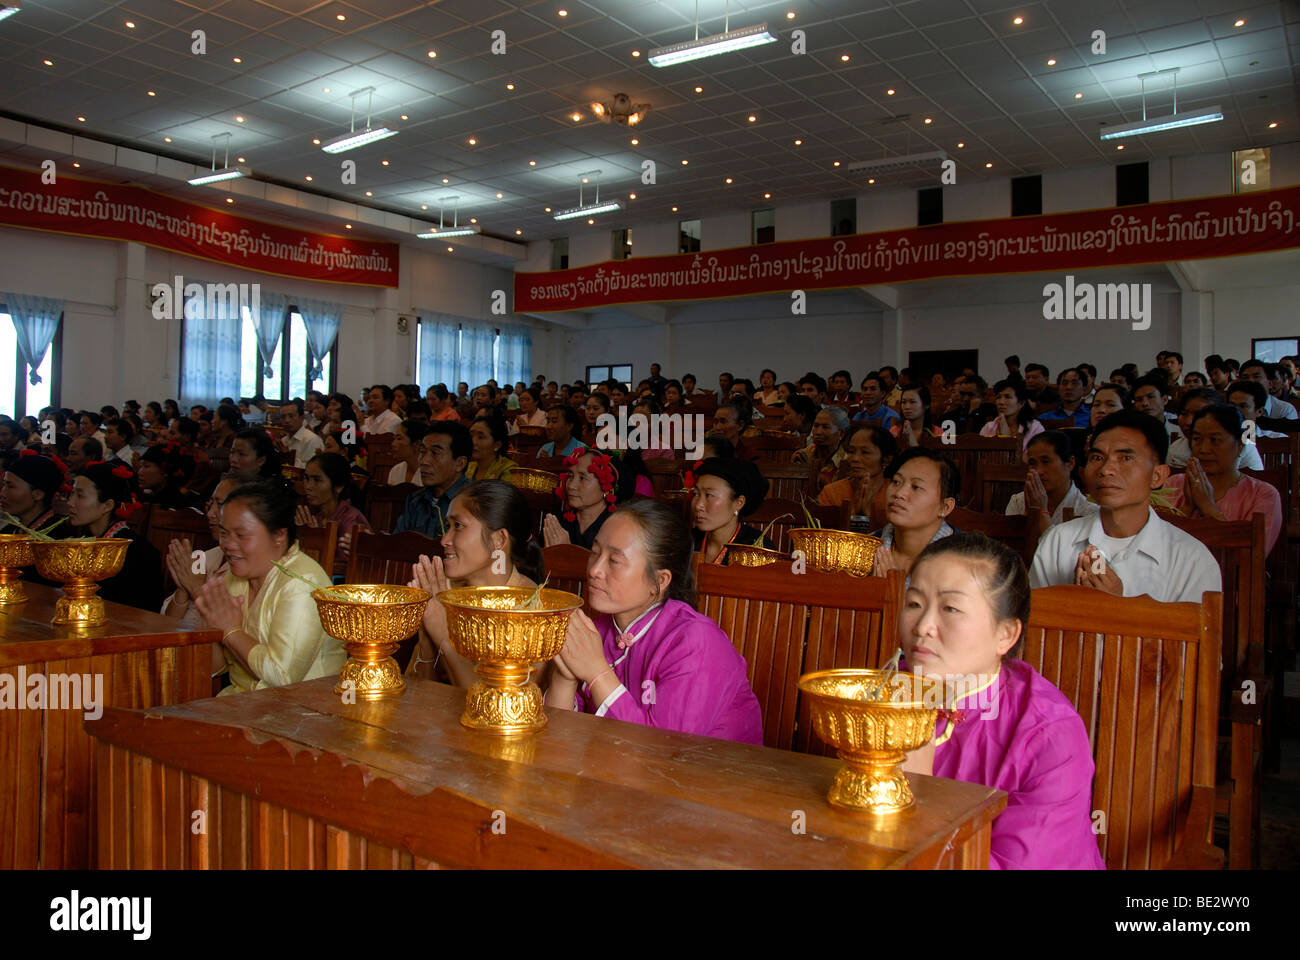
[[271, 633], [488, 461]]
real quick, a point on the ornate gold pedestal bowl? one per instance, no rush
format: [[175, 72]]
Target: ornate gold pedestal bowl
[[78, 565], [835, 551], [530, 478], [485, 626], [15, 553], [371, 620], [748, 555], [872, 736]]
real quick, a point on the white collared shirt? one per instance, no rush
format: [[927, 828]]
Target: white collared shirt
[[386, 422], [1160, 561], [1279, 409], [305, 444], [1180, 452], [1073, 500]]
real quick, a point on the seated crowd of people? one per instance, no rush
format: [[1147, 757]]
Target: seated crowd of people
[[1105, 463]]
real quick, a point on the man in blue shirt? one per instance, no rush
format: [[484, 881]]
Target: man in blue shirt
[[444, 453], [873, 404], [1072, 407], [562, 427]]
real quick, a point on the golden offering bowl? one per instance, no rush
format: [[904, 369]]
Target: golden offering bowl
[[675, 495], [15, 553], [835, 551], [872, 736], [504, 643], [78, 565], [529, 478], [371, 619], [748, 555]]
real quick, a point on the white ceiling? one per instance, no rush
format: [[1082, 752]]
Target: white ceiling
[[983, 80]]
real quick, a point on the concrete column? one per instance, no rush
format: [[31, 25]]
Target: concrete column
[[1197, 327], [893, 346], [145, 351]]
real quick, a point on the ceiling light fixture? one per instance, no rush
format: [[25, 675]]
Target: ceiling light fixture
[[227, 172], [798, 143], [472, 142], [589, 209], [844, 58], [9, 9], [1273, 125], [899, 162], [151, 93], [48, 63], [1239, 23], [510, 86], [1171, 121], [239, 119], [988, 165], [130, 25], [636, 53], [726, 42], [635, 141], [237, 59], [576, 117], [890, 92], [1051, 62], [621, 111], [1018, 20], [167, 139], [359, 138], [432, 54], [1078, 96], [442, 231]]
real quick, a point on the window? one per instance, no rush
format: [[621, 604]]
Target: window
[[289, 365], [18, 395], [560, 253], [689, 233], [844, 217], [622, 372], [1250, 170], [620, 243], [763, 226], [929, 206], [448, 351], [1271, 351]]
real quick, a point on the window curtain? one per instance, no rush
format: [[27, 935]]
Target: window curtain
[[36, 320], [476, 361], [210, 359], [515, 354], [439, 360], [268, 314], [322, 319]]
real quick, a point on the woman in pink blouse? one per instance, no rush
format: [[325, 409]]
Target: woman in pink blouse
[[1015, 416], [1213, 486], [963, 618], [326, 483]]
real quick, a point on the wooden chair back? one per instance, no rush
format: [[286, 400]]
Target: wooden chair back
[[1013, 531], [997, 482], [164, 526], [540, 503], [321, 543], [384, 503], [527, 443], [968, 452], [777, 448], [786, 481], [387, 557], [836, 517], [665, 474], [1144, 677], [566, 566], [380, 457]]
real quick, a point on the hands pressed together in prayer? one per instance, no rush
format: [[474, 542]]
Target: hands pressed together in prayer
[[1035, 493], [180, 564], [1092, 570], [304, 517], [581, 661], [1200, 491], [220, 610], [885, 560], [552, 532]]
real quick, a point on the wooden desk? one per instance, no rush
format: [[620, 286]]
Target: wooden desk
[[292, 777], [145, 660]]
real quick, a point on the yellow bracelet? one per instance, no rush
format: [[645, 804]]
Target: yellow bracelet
[[227, 634]]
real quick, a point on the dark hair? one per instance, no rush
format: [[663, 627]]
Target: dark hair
[[1059, 442], [721, 446], [1006, 581], [600, 398], [107, 484], [95, 418], [533, 391], [1013, 360], [767, 370], [842, 373], [1120, 372], [1198, 393], [1153, 430], [1030, 368], [500, 506], [273, 501], [385, 390], [1256, 390], [669, 544], [297, 403], [123, 428], [1228, 416], [187, 428], [337, 471], [439, 390], [876, 377], [893, 370], [742, 410], [1089, 369], [881, 439], [230, 414], [949, 476], [1159, 383], [815, 380], [922, 391], [496, 425], [1124, 399], [92, 448], [742, 476], [1176, 355], [803, 405], [569, 415], [414, 430], [263, 447], [1025, 416], [461, 443], [177, 466], [650, 402]]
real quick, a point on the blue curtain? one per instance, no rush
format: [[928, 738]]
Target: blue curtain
[[268, 315], [210, 360], [515, 355], [36, 319], [477, 364], [322, 319], [439, 357]]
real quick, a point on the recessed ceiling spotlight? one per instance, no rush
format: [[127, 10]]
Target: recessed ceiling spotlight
[[370, 193], [1018, 20], [316, 140], [844, 58], [871, 179], [130, 24], [789, 16], [960, 144], [636, 53], [547, 209], [472, 142], [324, 89], [532, 163], [1078, 96], [635, 141], [347, 226], [445, 180], [728, 180], [405, 117], [167, 139], [674, 209], [1239, 23], [767, 196], [699, 89], [424, 206], [237, 59], [562, 12], [835, 164], [81, 119], [752, 118], [240, 160], [590, 222], [383, 163], [929, 120], [1119, 146], [575, 117], [510, 86], [1273, 125], [1051, 62], [75, 164], [308, 177], [431, 54], [239, 119], [890, 92], [48, 63], [230, 199], [340, 16], [151, 93], [631, 196], [499, 196], [519, 233], [451, 249], [473, 219], [988, 166], [798, 143]]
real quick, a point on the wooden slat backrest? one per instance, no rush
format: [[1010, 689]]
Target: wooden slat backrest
[[527, 443], [566, 568], [1238, 547], [1278, 451], [779, 448], [219, 459], [1013, 531], [320, 543], [665, 474], [387, 557], [168, 525], [968, 452], [791, 512], [384, 504], [998, 482], [789, 481], [1279, 478], [1144, 677]]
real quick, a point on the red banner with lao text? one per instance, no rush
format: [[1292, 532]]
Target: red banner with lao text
[[121, 212], [1150, 233]]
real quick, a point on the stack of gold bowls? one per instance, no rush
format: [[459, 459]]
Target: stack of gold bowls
[[15, 553], [486, 625], [835, 551], [79, 565], [873, 736], [539, 481], [752, 555], [371, 619]]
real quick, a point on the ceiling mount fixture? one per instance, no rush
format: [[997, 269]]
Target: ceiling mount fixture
[[9, 8], [455, 230], [226, 172], [726, 42], [589, 209], [1171, 121], [621, 111], [359, 138], [899, 162]]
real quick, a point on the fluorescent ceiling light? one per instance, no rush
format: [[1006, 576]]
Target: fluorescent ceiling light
[[9, 9], [1172, 121], [224, 173], [442, 233], [359, 138], [898, 163], [712, 46], [590, 210]]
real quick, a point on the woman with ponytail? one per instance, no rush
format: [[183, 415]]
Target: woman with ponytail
[[101, 501]]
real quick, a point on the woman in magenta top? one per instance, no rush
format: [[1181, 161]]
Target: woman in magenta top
[[648, 657], [963, 616], [1213, 486]]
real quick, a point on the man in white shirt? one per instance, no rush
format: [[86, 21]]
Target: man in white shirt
[[1151, 396], [380, 419], [1126, 549], [117, 440], [299, 442], [1180, 451], [1275, 407]]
